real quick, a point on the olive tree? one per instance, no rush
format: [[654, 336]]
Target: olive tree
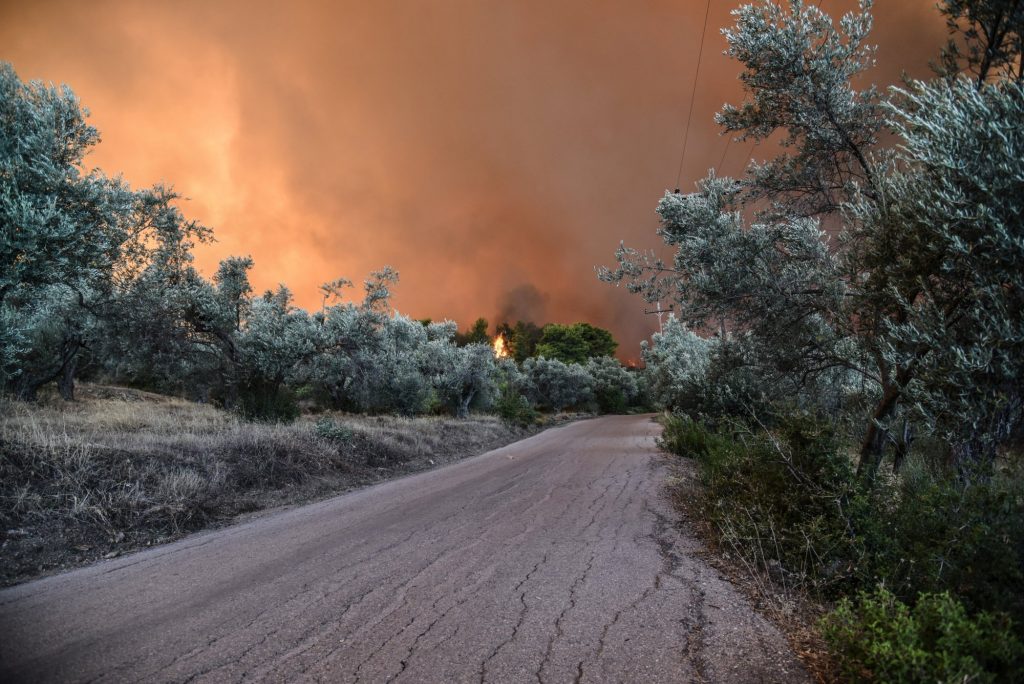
[[676, 365], [462, 376], [952, 207], [614, 386], [551, 384], [912, 292], [61, 232]]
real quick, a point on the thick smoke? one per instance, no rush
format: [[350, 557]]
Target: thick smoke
[[523, 303], [474, 145]]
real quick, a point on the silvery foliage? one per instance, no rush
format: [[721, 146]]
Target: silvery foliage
[[776, 282], [72, 242], [676, 364], [166, 326], [798, 69], [917, 302], [609, 376], [368, 360], [348, 343], [61, 228], [173, 334], [551, 384], [950, 230], [57, 222], [462, 376], [399, 382], [275, 339]]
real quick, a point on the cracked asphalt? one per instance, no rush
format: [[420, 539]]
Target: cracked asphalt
[[554, 559]]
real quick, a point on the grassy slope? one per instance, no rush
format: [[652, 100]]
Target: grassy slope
[[120, 469]]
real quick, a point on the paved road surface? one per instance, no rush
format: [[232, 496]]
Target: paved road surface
[[554, 559]]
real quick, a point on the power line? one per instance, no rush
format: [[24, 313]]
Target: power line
[[693, 93], [721, 162]]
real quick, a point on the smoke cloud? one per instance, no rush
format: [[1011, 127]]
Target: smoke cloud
[[474, 145], [523, 303]]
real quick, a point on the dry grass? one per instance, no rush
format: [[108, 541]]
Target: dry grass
[[120, 469], [792, 610]]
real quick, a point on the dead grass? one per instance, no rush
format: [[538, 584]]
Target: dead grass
[[120, 469]]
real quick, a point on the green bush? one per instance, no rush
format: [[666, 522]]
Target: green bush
[[333, 432], [789, 497], [786, 500], [515, 409], [943, 535], [686, 437], [879, 638]]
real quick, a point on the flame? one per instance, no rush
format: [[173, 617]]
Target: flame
[[500, 351]]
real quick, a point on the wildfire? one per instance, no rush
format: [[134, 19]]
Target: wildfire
[[500, 351]]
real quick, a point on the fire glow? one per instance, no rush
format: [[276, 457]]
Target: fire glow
[[500, 352]]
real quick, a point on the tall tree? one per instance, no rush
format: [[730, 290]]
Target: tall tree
[[924, 230]]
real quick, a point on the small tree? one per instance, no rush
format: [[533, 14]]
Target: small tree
[[615, 388], [463, 376], [676, 365], [551, 384], [925, 231], [275, 340]]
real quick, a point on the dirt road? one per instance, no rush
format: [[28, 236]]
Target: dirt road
[[554, 559]]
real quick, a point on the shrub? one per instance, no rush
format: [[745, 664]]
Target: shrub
[[551, 384], [515, 409], [788, 502], [968, 539], [783, 498], [614, 386], [686, 437], [333, 432], [879, 638]]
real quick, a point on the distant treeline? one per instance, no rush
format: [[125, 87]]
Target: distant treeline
[[98, 281]]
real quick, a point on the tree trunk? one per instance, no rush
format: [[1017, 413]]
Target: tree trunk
[[66, 381], [872, 447], [464, 403], [69, 364], [27, 385], [902, 447]]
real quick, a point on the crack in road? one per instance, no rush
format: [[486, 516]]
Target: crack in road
[[561, 616], [519, 620], [555, 558]]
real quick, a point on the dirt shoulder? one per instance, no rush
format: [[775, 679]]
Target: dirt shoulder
[[121, 470], [790, 610]]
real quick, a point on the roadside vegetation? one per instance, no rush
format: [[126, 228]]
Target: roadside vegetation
[[203, 399], [845, 363], [121, 469]]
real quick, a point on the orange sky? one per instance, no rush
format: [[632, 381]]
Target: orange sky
[[481, 147]]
